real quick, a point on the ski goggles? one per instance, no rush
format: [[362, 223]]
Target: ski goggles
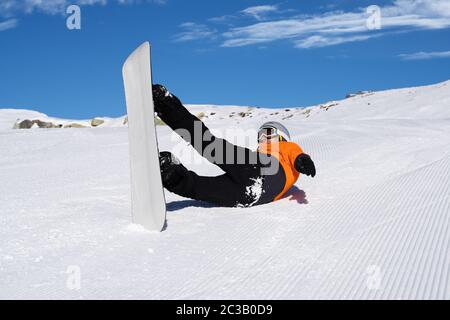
[[267, 133]]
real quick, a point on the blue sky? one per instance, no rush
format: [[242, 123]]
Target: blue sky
[[261, 53]]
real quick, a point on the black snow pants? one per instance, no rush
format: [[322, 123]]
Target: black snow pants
[[246, 181]]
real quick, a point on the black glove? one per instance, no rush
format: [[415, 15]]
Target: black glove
[[163, 99], [172, 171], [305, 165]]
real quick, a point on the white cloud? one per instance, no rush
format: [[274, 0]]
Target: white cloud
[[259, 12], [331, 28], [12, 7], [321, 41], [8, 24], [295, 28], [439, 8], [194, 31], [342, 27], [425, 55]]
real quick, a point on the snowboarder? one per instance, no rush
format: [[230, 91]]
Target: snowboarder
[[250, 178]]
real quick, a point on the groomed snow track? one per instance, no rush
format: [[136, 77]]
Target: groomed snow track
[[373, 224]]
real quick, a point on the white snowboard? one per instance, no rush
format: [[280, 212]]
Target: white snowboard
[[147, 194]]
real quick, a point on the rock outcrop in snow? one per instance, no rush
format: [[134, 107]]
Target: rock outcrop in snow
[[45, 122]]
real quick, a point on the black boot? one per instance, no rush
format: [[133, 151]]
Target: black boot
[[172, 171]]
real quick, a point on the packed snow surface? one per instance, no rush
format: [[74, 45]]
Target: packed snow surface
[[373, 223]]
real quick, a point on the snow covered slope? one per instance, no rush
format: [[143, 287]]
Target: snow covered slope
[[374, 222]]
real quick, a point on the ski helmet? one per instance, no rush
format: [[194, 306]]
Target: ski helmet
[[271, 129]]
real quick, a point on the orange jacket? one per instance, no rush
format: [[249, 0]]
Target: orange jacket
[[286, 153]]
